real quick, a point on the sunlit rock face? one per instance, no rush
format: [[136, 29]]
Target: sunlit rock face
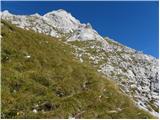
[[56, 23]]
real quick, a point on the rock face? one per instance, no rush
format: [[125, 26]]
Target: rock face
[[136, 73], [56, 23]]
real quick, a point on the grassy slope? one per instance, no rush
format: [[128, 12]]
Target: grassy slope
[[53, 82]]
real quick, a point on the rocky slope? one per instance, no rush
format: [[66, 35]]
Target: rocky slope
[[41, 78], [136, 73]]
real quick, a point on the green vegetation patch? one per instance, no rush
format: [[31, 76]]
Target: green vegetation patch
[[41, 79]]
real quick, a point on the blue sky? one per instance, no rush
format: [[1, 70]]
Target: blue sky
[[134, 24]]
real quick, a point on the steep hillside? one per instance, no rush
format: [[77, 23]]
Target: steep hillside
[[135, 72], [41, 78]]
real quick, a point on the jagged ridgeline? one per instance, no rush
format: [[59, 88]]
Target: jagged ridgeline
[[41, 78]]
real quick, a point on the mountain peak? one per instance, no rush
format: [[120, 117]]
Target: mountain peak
[[5, 12], [62, 11], [55, 23], [58, 11], [62, 20], [36, 14]]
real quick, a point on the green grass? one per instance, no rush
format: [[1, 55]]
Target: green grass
[[53, 82]]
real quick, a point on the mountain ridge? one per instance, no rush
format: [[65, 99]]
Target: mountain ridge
[[63, 21], [4, 14]]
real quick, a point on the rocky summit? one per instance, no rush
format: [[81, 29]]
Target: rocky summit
[[135, 72]]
